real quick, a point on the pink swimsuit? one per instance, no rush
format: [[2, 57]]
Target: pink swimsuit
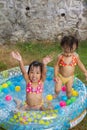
[[38, 89]]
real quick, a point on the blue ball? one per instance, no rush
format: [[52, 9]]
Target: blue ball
[[57, 107], [64, 98], [5, 90], [12, 87]]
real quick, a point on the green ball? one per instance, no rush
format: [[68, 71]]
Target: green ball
[[68, 102], [0, 89], [73, 99], [9, 83]]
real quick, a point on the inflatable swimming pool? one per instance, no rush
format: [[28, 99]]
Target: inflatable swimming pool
[[66, 113]]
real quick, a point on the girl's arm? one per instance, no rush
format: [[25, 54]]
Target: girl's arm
[[56, 69], [45, 61], [81, 66], [18, 57]]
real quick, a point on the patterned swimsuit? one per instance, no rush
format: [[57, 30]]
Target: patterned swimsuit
[[38, 89], [72, 63]]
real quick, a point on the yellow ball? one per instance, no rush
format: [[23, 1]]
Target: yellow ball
[[49, 97], [17, 88], [74, 93], [5, 85], [15, 116]]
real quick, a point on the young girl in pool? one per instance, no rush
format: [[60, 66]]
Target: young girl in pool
[[34, 82], [65, 65]]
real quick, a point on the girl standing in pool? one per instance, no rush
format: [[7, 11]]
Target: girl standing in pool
[[34, 82], [65, 65]]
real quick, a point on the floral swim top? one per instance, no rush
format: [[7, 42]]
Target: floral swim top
[[72, 63], [31, 89]]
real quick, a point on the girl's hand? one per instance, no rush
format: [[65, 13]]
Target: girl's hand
[[57, 79], [46, 60], [16, 55]]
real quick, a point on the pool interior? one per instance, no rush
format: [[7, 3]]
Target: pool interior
[[59, 117]]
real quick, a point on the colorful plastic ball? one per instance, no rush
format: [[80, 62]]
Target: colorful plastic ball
[[9, 83], [5, 85], [57, 107], [63, 88], [62, 103], [64, 98], [12, 87], [73, 99], [74, 93], [8, 98], [5, 90], [0, 89], [68, 102], [49, 97], [17, 88]]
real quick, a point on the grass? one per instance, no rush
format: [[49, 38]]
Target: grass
[[36, 51]]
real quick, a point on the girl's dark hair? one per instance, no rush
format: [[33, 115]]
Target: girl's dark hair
[[69, 40], [36, 64]]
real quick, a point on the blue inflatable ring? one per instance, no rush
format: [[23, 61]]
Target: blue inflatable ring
[[64, 116]]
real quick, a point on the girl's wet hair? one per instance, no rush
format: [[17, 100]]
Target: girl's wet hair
[[69, 40], [36, 64]]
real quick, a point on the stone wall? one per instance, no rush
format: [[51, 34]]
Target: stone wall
[[26, 20]]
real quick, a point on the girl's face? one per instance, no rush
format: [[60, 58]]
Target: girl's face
[[67, 50], [35, 74]]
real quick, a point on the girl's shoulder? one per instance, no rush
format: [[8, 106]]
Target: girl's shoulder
[[28, 82], [59, 57], [76, 54]]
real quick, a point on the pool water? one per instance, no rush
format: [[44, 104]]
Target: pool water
[[58, 119]]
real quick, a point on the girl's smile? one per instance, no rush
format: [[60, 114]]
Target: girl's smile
[[35, 74]]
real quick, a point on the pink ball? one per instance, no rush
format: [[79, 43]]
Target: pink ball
[[8, 98], [63, 88], [62, 103]]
